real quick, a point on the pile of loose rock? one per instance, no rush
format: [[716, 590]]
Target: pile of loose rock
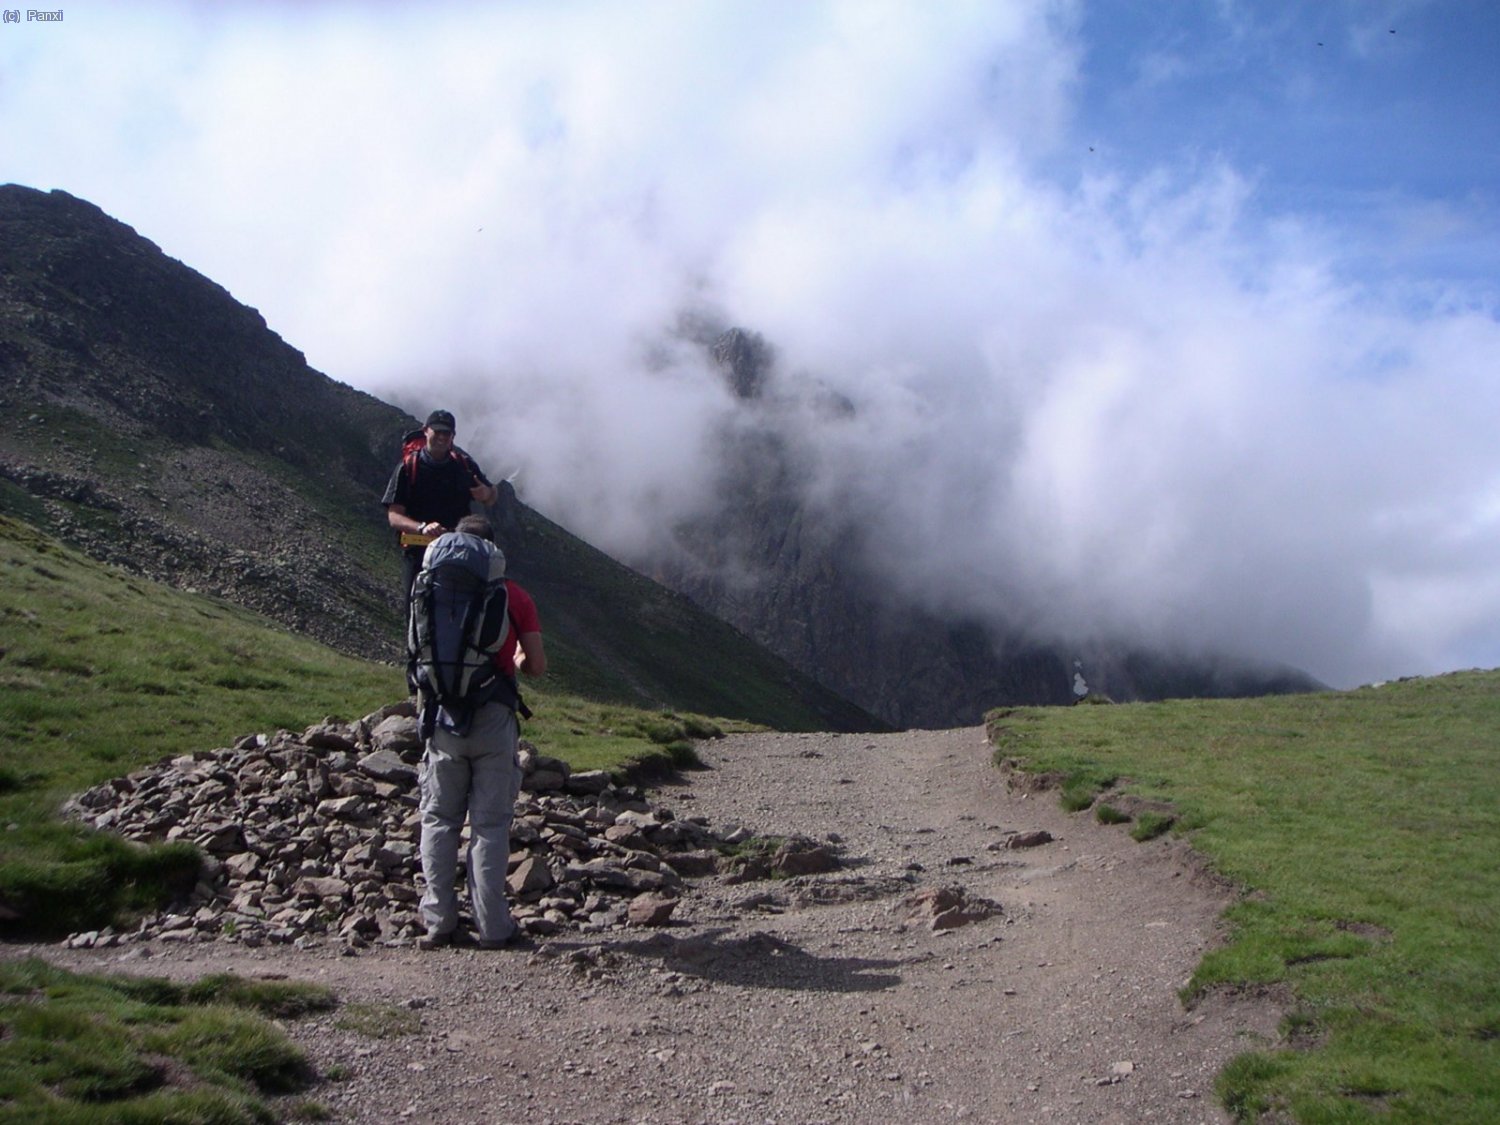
[[314, 836]]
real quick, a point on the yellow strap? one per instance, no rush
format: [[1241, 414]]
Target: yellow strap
[[415, 539]]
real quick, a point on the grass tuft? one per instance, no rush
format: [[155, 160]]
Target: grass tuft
[[1108, 814], [1150, 825], [1082, 787], [59, 878], [275, 999], [227, 1047], [379, 1021]]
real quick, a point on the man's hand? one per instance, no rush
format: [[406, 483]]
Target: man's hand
[[484, 493]]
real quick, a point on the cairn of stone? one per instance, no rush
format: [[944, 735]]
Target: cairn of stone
[[313, 837]]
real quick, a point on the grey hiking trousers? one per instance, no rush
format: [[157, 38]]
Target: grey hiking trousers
[[476, 774]]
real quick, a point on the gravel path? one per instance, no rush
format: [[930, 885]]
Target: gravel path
[[824, 998]]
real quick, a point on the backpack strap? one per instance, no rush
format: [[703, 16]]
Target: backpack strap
[[468, 464], [504, 689], [412, 444]]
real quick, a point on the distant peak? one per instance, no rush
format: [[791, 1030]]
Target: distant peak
[[745, 357]]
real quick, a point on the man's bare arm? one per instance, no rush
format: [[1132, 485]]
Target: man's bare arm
[[395, 515], [532, 659]]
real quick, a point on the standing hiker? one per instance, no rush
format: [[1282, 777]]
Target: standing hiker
[[467, 622], [430, 491]]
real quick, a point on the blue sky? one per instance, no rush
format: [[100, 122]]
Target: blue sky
[[1169, 321], [1370, 116]]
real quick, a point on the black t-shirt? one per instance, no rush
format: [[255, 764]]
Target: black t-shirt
[[436, 490]]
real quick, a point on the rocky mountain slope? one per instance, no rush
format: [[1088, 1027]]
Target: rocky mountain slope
[[160, 425]]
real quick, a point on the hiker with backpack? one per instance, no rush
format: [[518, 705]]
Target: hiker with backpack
[[430, 491], [469, 631]]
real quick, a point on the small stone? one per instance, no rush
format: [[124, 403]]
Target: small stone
[[650, 910], [1029, 839], [387, 765], [588, 782], [530, 876], [321, 888], [543, 781], [354, 808]]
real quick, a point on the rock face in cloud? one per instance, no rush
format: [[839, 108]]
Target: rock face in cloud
[[806, 574]]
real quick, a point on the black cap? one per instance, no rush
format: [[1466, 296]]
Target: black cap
[[441, 420]]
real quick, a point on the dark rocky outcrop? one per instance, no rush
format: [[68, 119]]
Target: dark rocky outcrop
[[159, 425]]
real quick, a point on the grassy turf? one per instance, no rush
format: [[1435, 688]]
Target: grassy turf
[[82, 1048], [1366, 824]]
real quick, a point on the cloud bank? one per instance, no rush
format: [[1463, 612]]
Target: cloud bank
[[1085, 401]]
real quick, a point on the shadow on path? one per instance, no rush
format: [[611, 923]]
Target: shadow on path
[[761, 960]]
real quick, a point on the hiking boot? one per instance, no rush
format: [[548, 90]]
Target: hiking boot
[[435, 941]]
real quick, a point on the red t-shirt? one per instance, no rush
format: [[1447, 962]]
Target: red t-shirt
[[523, 619]]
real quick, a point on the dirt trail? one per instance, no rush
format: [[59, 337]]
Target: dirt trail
[[816, 999]]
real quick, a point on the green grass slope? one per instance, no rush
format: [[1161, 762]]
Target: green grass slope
[[1364, 828], [101, 673]]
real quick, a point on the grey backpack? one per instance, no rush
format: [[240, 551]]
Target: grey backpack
[[459, 619]]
